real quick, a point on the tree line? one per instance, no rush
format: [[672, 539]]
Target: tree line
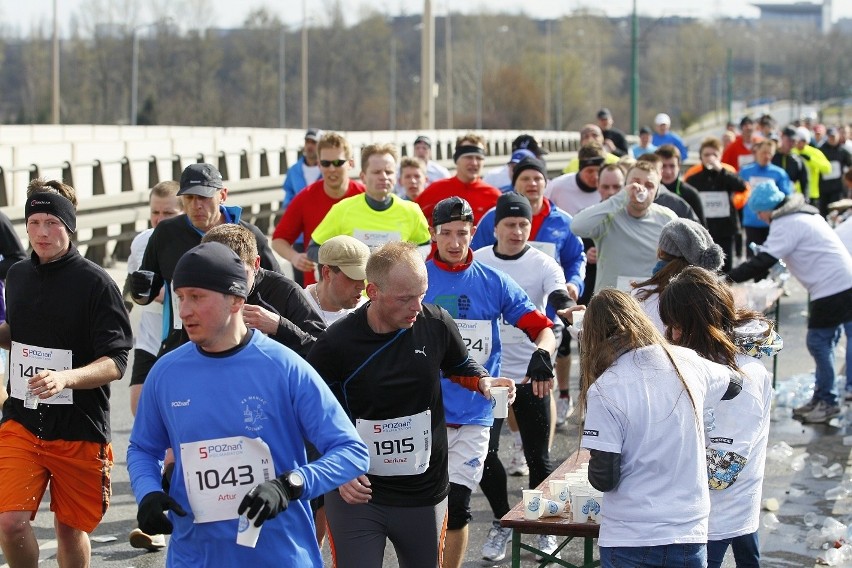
[[503, 71]]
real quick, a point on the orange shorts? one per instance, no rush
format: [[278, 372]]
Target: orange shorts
[[78, 473]]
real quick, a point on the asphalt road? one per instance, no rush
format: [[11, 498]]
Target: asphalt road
[[798, 492]]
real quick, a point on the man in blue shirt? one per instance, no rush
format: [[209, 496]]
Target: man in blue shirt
[[664, 135], [239, 415], [478, 298]]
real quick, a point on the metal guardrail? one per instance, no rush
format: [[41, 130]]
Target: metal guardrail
[[108, 221]]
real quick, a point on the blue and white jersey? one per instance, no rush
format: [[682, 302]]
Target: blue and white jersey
[[477, 297]]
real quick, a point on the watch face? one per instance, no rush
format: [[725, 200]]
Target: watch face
[[295, 479]]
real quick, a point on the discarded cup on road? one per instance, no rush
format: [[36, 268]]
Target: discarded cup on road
[[834, 470], [838, 492], [817, 471], [770, 521], [810, 518], [818, 459], [771, 504]]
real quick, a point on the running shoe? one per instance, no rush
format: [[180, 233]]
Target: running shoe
[[498, 538]]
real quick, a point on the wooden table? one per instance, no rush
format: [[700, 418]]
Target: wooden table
[[561, 526]]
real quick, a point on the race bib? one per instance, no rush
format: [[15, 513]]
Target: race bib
[[547, 248], [717, 204], [218, 473], [26, 361], [477, 338], [399, 446], [177, 323], [375, 239], [836, 171], [623, 283], [744, 160]]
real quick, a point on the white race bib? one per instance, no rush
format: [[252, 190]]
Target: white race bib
[[836, 170], [375, 239], [717, 204], [547, 248], [218, 473], [623, 283], [177, 323], [744, 160], [399, 446], [477, 338], [26, 361]]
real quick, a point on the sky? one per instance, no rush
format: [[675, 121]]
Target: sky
[[20, 16]]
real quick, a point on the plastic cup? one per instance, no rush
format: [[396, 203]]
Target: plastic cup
[[247, 533], [559, 490], [641, 195], [150, 276], [532, 503], [578, 319], [810, 519], [585, 505], [31, 400], [500, 401], [551, 508]]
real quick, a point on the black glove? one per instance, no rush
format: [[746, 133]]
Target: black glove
[[145, 284], [151, 515], [265, 501], [541, 366]]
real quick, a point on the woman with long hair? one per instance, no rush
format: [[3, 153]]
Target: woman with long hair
[[644, 404], [698, 311]]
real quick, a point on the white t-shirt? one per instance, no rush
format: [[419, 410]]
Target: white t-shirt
[[736, 452], [813, 253], [640, 409], [539, 275], [651, 305], [311, 173], [844, 231], [567, 195], [498, 177], [149, 335], [328, 317]]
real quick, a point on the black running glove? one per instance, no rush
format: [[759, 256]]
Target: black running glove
[[151, 515], [541, 366], [265, 501]]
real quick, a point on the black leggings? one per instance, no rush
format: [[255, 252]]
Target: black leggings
[[533, 416]]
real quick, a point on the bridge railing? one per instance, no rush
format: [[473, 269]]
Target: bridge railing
[[113, 204]]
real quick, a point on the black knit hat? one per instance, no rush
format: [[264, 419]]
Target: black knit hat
[[211, 266], [512, 204], [529, 164]]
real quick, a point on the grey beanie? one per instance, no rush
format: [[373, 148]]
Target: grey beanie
[[690, 240]]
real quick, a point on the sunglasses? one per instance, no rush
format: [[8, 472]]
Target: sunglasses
[[335, 163]]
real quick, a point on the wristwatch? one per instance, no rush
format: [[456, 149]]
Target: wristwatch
[[295, 483]]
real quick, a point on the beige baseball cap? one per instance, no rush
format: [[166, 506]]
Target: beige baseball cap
[[348, 254]]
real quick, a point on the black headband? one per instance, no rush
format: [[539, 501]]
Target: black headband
[[467, 149], [53, 204], [593, 161]]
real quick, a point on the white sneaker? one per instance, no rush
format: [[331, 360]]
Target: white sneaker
[[564, 407], [150, 542], [518, 465], [547, 544], [498, 537]]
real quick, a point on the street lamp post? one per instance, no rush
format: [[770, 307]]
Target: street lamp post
[[134, 68]]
